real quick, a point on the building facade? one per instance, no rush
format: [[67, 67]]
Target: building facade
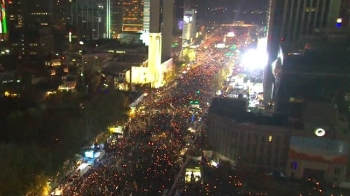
[[31, 41], [290, 20], [15, 14], [91, 18], [94, 62], [29, 13], [189, 27], [133, 15], [317, 150], [296, 18], [249, 146]]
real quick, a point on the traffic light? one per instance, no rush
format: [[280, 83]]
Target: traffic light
[[198, 92]]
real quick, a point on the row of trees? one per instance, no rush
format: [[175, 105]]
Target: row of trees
[[220, 77], [188, 55], [36, 142]]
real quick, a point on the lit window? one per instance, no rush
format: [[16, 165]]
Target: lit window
[[270, 138]]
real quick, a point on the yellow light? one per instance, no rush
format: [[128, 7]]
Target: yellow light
[[270, 138]]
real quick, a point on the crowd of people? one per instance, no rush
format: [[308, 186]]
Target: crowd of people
[[145, 160]]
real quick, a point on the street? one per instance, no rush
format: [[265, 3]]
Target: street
[[145, 161]]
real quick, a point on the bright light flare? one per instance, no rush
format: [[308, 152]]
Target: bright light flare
[[254, 59]]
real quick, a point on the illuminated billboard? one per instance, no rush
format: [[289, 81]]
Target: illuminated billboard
[[3, 22], [318, 150], [188, 18]]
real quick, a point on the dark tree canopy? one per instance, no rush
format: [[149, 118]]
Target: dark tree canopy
[[36, 141]]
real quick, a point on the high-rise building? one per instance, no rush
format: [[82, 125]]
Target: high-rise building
[[31, 41], [39, 13], [288, 21], [189, 27], [91, 18], [146, 15], [116, 17], [167, 28], [307, 17], [160, 38], [133, 15], [60, 13], [15, 14], [29, 13]]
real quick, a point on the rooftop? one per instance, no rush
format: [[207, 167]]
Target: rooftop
[[130, 58], [116, 67], [234, 111]]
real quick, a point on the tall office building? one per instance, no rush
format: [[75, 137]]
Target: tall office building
[[146, 15], [289, 20], [91, 18], [23, 13], [39, 13], [60, 13], [160, 38], [116, 17], [133, 15], [15, 14], [167, 28], [189, 27]]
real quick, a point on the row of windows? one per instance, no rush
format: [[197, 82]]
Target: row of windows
[[246, 135], [45, 13], [253, 156]]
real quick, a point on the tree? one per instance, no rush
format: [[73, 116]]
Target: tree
[[170, 75], [45, 139], [104, 109], [92, 80], [22, 164], [218, 80], [39, 186], [188, 55]]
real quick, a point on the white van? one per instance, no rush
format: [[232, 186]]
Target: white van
[[82, 169]]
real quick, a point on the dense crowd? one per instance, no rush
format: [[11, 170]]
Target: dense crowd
[[145, 161]]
